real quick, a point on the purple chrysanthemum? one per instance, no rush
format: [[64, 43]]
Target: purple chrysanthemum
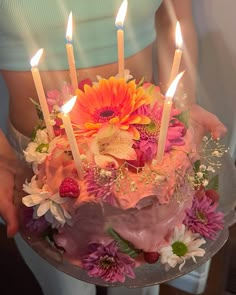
[[149, 133], [202, 218], [36, 226], [100, 183], [107, 263]]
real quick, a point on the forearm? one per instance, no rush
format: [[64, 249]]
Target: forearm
[[166, 18]]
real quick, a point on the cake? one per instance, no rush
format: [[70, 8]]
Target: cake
[[128, 208]]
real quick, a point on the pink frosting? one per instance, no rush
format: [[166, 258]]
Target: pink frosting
[[145, 217]]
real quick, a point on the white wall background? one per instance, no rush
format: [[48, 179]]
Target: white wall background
[[216, 26]]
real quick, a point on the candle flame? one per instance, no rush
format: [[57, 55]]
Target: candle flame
[[69, 28], [68, 106], [178, 36], [171, 90], [35, 59], [121, 14]]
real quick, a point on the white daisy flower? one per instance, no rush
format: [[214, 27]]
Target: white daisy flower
[[183, 245], [40, 148], [45, 203], [127, 76]]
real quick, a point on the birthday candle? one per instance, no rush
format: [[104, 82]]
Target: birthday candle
[[178, 53], [120, 36], [40, 91], [65, 109], [165, 119], [70, 54]]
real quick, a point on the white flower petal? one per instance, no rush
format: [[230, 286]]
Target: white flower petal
[[67, 215], [173, 260], [43, 208], [32, 200], [57, 199], [57, 212]]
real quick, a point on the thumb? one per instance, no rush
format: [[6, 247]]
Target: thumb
[[9, 213]]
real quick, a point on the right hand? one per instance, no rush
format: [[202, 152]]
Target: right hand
[[8, 210]]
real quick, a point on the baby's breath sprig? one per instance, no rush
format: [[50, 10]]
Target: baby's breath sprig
[[209, 161], [212, 151]]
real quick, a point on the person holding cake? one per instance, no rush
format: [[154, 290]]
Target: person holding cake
[[35, 24]]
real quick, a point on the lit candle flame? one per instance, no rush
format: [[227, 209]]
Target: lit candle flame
[[121, 14], [69, 28], [35, 59], [178, 36], [171, 90], [68, 106]]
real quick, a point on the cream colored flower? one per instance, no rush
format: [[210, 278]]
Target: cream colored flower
[[44, 203], [111, 144], [127, 76], [183, 245]]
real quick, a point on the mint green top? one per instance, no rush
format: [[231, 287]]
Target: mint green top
[[27, 25]]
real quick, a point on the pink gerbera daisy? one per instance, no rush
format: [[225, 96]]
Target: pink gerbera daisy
[[111, 101]]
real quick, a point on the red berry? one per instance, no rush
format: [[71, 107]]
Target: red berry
[[151, 257], [69, 188], [212, 194]]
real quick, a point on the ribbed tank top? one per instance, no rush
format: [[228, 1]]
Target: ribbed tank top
[[27, 25]]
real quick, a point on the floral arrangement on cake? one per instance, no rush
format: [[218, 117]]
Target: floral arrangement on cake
[[116, 123]]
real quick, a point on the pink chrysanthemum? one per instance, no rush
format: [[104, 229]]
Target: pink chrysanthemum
[[202, 218], [55, 97], [149, 133], [107, 263], [100, 183]]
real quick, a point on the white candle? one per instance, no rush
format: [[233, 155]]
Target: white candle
[[65, 109], [70, 54], [165, 119], [40, 91], [178, 53], [120, 37]]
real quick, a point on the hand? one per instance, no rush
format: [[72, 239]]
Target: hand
[[204, 122], [8, 210]]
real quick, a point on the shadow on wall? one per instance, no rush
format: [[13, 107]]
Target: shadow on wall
[[4, 104], [217, 80], [217, 63]]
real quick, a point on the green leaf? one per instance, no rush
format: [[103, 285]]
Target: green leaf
[[184, 118], [140, 83], [196, 166], [213, 183], [38, 108], [125, 246]]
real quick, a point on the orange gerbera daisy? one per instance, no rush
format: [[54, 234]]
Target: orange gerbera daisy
[[110, 101]]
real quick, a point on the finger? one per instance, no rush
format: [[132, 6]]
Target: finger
[[9, 214], [219, 131], [217, 128]]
